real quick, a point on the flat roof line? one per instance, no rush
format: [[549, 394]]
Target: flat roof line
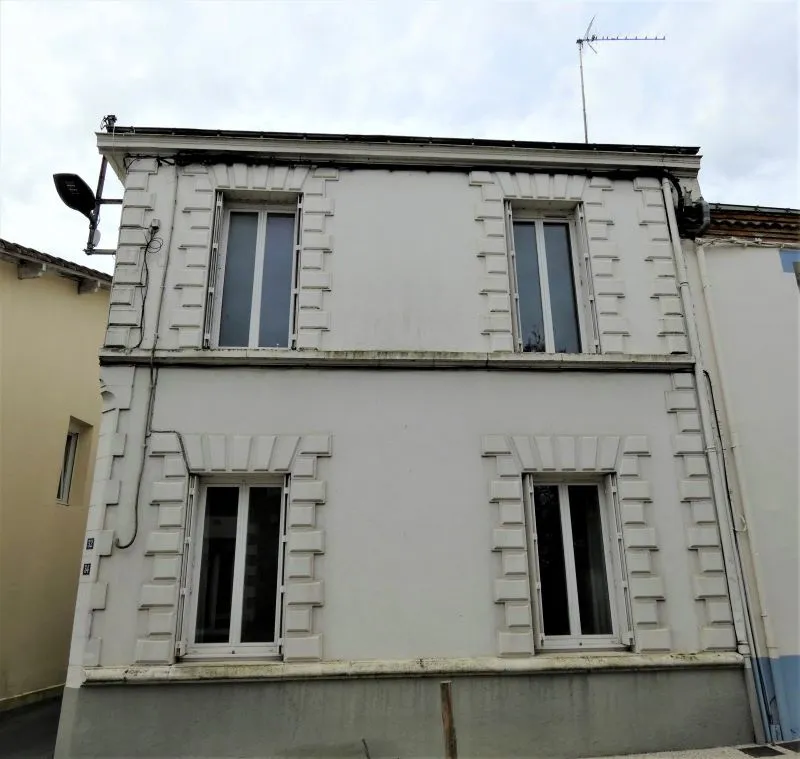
[[405, 140]]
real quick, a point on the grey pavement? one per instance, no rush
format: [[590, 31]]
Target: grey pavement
[[29, 732], [728, 752]]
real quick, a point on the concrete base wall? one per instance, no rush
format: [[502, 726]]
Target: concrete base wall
[[541, 715]]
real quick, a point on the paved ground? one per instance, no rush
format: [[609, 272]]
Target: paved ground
[[743, 752], [30, 733]]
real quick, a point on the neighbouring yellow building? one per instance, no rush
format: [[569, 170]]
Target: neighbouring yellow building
[[52, 319]]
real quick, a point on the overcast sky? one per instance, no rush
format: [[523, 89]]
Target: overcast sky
[[726, 79]]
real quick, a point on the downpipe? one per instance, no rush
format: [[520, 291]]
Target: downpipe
[[732, 561]]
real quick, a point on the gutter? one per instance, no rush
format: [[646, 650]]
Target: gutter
[[119, 145], [400, 139]]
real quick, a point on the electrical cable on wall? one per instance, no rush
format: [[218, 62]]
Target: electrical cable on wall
[[153, 378], [153, 244]]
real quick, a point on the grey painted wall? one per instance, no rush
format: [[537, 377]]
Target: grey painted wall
[[541, 716]]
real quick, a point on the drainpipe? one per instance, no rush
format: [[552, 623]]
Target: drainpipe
[[729, 552], [745, 534]]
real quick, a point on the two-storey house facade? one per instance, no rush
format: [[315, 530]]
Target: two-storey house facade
[[381, 412]]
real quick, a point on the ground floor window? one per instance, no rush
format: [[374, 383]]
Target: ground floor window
[[576, 564], [237, 569]]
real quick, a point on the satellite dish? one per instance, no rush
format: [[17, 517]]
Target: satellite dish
[[96, 238], [75, 193]]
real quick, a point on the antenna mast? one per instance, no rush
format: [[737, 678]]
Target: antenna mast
[[589, 39]]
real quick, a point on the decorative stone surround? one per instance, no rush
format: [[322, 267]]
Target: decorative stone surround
[[116, 388], [515, 455], [127, 290], [702, 531], [184, 309], [497, 187], [645, 584], [210, 454], [608, 280], [664, 284]]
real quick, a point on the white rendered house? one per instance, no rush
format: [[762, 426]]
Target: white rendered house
[[381, 412]]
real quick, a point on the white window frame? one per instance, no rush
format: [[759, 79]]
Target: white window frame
[[234, 648], [68, 464], [582, 295], [263, 210], [620, 637]]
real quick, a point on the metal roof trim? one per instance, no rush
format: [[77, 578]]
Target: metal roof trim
[[387, 152], [404, 140]]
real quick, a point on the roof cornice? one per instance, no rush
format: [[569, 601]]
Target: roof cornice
[[387, 152]]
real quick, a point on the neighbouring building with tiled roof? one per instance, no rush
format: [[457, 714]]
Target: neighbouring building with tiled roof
[[52, 318], [744, 271]]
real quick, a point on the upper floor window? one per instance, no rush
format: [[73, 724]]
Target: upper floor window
[[547, 316], [257, 272]]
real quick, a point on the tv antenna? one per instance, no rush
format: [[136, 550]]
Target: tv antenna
[[589, 39]]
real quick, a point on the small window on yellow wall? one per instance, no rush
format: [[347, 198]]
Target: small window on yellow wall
[[68, 463]]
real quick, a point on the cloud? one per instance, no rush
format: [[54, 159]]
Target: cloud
[[725, 79]]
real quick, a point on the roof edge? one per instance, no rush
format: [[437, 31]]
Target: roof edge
[[16, 252], [382, 151], [724, 207], [404, 140], [757, 223]]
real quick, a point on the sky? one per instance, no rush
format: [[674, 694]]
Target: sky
[[725, 79]]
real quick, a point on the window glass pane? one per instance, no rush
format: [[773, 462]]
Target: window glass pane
[[237, 293], [531, 321], [552, 575], [67, 466], [261, 565], [216, 566], [590, 562], [276, 288], [560, 276]]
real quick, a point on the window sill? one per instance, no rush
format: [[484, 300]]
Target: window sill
[[589, 648], [280, 358], [212, 657], [541, 663]]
